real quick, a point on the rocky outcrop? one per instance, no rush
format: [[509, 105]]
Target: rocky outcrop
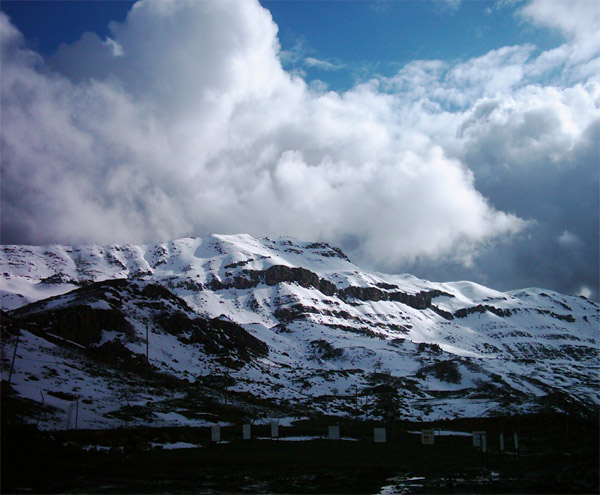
[[444, 314], [80, 324], [278, 274], [482, 308], [420, 300]]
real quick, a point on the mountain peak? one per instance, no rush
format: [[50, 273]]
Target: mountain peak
[[293, 320]]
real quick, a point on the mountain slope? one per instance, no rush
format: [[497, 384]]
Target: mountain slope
[[280, 327]]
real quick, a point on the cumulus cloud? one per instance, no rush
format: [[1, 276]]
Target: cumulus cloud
[[574, 18], [196, 128], [183, 122]]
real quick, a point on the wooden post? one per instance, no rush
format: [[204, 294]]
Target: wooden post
[[274, 430], [12, 364], [333, 432], [246, 432], [379, 435], [76, 413], [147, 343], [41, 409], [215, 433], [484, 447]]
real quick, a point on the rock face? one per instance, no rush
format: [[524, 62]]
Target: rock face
[[278, 274], [81, 317], [284, 327], [80, 324]]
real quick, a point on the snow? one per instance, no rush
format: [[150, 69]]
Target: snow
[[175, 445], [306, 438], [445, 433], [532, 351]]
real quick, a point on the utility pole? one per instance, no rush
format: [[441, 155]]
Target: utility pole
[[41, 409], [12, 364], [76, 412], [147, 345], [226, 387]]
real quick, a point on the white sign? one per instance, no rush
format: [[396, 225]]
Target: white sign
[[379, 435], [477, 438], [334, 433], [427, 437], [215, 433], [274, 429], [246, 435]]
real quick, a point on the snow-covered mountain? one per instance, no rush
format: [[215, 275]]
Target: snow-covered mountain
[[234, 325]]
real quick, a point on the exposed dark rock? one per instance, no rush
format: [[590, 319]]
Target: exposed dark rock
[[446, 371], [568, 318], [426, 347], [444, 314], [246, 280], [481, 308], [364, 293], [277, 274], [58, 278], [230, 336], [175, 323], [80, 324], [325, 350], [294, 312], [239, 263], [383, 285], [327, 251], [327, 288], [216, 284], [420, 300]]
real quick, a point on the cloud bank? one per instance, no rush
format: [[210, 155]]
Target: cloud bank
[[183, 122]]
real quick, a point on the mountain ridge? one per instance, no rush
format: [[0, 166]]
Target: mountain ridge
[[299, 326]]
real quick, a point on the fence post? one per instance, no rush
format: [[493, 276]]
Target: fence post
[[379, 435], [246, 432], [334, 433], [12, 363], [215, 433]]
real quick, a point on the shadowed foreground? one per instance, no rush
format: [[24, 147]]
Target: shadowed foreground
[[131, 461]]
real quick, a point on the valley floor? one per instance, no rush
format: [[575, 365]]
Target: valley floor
[[556, 456]]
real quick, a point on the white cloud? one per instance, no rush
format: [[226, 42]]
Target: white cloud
[[115, 48], [568, 240], [196, 128], [322, 64], [574, 18]]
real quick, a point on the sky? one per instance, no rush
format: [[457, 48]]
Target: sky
[[455, 140]]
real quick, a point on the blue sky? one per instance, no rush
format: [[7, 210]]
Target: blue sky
[[357, 38], [366, 37], [449, 139]]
